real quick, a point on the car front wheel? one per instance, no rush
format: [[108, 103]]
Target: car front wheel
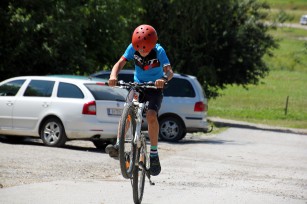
[[52, 133], [171, 129]]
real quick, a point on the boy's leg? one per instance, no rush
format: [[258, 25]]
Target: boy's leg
[[153, 132], [155, 99], [153, 127]]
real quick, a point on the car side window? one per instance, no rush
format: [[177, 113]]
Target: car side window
[[178, 87], [11, 88], [39, 88], [67, 90]]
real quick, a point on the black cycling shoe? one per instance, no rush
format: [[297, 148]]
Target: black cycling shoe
[[155, 167], [112, 150]]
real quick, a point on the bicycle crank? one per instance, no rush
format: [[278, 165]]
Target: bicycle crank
[[147, 173]]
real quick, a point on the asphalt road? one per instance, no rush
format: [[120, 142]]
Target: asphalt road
[[239, 165]]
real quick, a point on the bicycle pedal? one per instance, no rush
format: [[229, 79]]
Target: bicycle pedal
[[151, 183], [149, 179], [141, 164]]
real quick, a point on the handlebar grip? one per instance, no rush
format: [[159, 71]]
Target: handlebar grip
[[117, 83]]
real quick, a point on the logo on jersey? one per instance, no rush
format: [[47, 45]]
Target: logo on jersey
[[148, 62]]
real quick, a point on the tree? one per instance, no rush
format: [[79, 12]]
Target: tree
[[220, 41], [58, 36]]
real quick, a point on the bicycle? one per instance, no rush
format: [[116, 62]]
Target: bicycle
[[133, 156]]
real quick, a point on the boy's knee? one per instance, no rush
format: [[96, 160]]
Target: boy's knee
[[151, 116]]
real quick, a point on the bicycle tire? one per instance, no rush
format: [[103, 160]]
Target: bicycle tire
[[139, 174], [127, 148]]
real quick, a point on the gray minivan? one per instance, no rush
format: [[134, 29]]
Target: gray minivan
[[184, 107], [303, 20]]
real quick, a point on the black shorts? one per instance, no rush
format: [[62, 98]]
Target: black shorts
[[154, 97]]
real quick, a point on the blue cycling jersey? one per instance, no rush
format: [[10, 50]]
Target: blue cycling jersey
[[149, 68]]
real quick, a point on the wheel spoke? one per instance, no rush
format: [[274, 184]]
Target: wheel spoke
[[169, 129], [127, 147], [52, 132], [48, 136]]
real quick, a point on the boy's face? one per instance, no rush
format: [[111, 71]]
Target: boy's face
[[143, 54]]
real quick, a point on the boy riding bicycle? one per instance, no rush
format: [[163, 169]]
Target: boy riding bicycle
[[151, 64]]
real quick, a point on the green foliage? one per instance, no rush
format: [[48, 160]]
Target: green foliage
[[286, 11], [266, 103], [282, 17], [292, 52], [221, 42], [288, 4], [53, 37]]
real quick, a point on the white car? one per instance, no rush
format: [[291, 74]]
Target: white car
[[303, 20], [183, 109], [58, 109]]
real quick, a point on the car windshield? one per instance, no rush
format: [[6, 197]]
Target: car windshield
[[101, 92]]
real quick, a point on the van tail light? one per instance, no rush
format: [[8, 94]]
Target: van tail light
[[89, 108], [199, 106]]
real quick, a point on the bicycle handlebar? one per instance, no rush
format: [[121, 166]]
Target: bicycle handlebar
[[122, 84]]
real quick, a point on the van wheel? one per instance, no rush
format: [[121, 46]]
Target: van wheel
[[52, 133], [171, 129]]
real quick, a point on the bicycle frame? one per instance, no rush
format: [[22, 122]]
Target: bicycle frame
[[133, 99], [134, 162]]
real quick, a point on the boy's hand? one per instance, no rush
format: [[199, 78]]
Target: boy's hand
[[112, 81], [159, 83]]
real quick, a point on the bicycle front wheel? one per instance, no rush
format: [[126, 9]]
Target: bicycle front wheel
[[139, 174], [127, 148]]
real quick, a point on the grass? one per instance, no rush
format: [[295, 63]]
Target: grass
[[265, 103], [292, 51], [294, 15], [288, 4], [293, 8]]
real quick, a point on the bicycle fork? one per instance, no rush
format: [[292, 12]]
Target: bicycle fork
[[138, 140]]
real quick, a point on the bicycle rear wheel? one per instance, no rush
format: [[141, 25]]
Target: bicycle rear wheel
[[139, 174], [127, 148]]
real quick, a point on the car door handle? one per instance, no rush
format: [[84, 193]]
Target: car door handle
[[45, 105], [9, 103]]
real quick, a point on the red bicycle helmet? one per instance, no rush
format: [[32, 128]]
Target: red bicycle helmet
[[144, 38]]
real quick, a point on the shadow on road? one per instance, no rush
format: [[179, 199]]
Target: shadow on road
[[202, 141], [192, 139], [15, 140]]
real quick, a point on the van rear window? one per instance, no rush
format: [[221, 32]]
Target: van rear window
[[179, 88]]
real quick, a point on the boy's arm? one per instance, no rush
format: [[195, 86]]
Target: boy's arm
[[115, 70], [168, 72], [168, 75]]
